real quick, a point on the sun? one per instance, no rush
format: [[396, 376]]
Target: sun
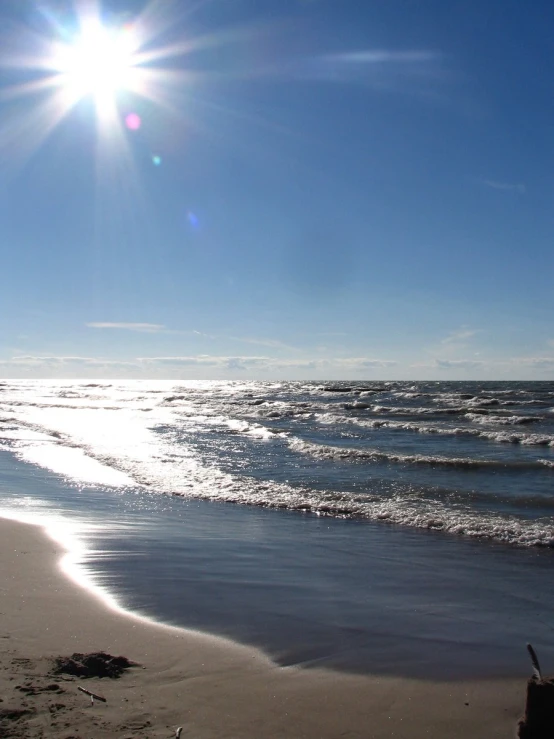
[[115, 60], [99, 63]]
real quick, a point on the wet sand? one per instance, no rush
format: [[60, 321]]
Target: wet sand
[[209, 686]]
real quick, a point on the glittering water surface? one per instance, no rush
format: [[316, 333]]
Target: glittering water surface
[[470, 459], [416, 524]]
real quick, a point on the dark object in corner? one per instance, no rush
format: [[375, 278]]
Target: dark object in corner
[[538, 722], [95, 664]]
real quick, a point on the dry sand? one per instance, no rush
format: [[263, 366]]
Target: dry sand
[[211, 687]]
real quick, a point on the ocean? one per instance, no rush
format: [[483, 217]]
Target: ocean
[[386, 527]]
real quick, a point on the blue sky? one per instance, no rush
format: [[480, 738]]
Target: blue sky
[[317, 189]]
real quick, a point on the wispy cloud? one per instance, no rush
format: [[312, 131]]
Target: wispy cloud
[[536, 362], [193, 366], [383, 56], [201, 333], [364, 362], [204, 360], [268, 363], [147, 328], [389, 70], [31, 362], [260, 366], [453, 364], [509, 186], [461, 335], [157, 328], [272, 343]]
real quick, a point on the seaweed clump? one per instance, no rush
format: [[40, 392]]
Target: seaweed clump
[[95, 664]]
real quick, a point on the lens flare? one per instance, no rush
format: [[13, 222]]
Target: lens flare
[[81, 56], [192, 219], [81, 52], [133, 121]]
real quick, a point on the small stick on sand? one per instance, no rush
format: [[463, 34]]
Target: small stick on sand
[[92, 695], [178, 732]]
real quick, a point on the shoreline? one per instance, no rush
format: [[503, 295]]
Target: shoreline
[[209, 685]]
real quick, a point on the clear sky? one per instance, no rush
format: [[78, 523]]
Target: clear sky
[[277, 189]]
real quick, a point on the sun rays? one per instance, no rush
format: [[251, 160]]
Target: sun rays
[[85, 57], [100, 62]]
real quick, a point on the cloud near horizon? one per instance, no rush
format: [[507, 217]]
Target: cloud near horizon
[[449, 364], [31, 362], [220, 365], [539, 362], [266, 363], [148, 328], [214, 367]]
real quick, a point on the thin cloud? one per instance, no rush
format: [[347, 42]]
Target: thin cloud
[[508, 186], [147, 328], [363, 363], [233, 362], [383, 56], [387, 70], [269, 363], [31, 361], [453, 364], [459, 336], [202, 360], [201, 333], [273, 343], [537, 362], [381, 69]]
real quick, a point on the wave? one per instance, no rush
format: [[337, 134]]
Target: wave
[[399, 511], [163, 452], [472, 413], [65, 406], [327, 451], [403, 410], [404, 508], [499, 436], [502, 420], [255, 430]]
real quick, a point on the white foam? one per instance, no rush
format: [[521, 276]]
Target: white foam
[[499, 436], [125, 444]]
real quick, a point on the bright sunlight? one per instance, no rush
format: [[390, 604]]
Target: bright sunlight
[[100, 62], [110, 59]]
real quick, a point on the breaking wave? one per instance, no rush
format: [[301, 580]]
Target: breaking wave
[[323, 451], [252, 444]]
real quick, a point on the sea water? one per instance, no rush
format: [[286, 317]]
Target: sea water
[[392, 527]]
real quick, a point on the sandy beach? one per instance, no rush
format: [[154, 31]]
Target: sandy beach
[[208, 686]]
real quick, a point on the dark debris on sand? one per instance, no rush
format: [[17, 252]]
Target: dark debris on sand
[[95, 664], [9, 720]]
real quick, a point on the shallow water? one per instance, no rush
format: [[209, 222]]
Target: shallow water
[[315, 591], [394, 528]]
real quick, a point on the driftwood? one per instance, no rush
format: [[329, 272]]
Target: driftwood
[[538, 722], [92, 695]]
